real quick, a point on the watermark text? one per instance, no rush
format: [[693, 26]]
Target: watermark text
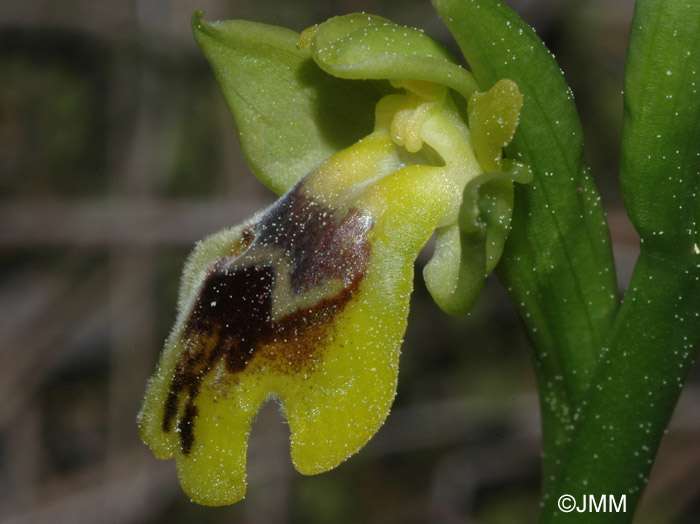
[[593, 503]]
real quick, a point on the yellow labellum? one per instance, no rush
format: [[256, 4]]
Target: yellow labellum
[[307, 302]]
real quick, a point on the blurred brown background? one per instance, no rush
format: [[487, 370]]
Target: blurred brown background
[[116, 154]]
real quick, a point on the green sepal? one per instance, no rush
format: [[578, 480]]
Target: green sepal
[[361, 46], [289, 114]]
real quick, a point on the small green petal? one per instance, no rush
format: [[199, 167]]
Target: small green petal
[[493, 118]]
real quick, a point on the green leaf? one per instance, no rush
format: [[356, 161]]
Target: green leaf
[[557, 264], [656, 336], [364, 46], [289, 114], [652, 347], [660, 165]]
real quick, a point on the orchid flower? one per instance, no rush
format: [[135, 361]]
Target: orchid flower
[[307, 301]]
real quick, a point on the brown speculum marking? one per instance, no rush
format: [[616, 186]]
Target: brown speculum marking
[[232, 318]]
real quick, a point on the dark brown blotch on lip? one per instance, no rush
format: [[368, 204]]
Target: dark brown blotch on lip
[[320, 245], [231, 320]]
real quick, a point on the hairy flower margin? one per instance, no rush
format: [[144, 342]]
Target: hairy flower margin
[[307, 301]]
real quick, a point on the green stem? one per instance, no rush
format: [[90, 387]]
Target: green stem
[[653, 344]]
